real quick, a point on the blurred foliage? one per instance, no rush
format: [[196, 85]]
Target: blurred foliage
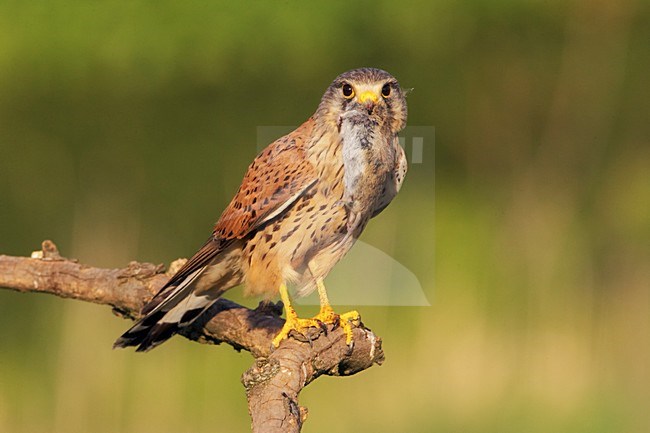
[[125, 127]]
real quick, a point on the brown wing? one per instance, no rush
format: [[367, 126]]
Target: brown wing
[[276, 179], [186, 274]]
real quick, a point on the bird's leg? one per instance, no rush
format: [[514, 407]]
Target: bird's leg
[[327, 314], [293, 322]]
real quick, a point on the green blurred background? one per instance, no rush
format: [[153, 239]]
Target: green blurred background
[[126, 127]]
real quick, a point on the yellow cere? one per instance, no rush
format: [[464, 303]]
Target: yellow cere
[[368, 95]]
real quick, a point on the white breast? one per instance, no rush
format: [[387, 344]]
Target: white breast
[[354, 159]]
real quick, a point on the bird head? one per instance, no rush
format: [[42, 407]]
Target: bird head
[[366, 91]]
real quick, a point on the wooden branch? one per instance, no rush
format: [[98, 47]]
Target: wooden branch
[[272, 384]]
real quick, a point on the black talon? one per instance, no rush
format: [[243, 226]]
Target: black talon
[[322, 325]]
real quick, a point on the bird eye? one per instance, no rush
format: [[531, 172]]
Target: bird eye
[[348, 92], [385, 91]]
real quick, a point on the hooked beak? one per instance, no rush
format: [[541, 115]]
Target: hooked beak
[[368, 99]]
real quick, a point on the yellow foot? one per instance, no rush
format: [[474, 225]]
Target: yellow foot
[[326, 316], [294, 323], [345, 321]]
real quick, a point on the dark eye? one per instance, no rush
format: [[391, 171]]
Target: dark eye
[[348, 92], [385, 91]]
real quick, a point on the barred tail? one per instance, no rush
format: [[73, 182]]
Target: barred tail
[[173, 308]]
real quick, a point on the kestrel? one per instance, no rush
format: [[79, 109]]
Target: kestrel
[[302, 204]]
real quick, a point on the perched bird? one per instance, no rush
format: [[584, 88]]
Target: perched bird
[[302, 204]]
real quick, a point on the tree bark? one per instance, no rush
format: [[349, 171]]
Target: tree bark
[[272, 384]]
